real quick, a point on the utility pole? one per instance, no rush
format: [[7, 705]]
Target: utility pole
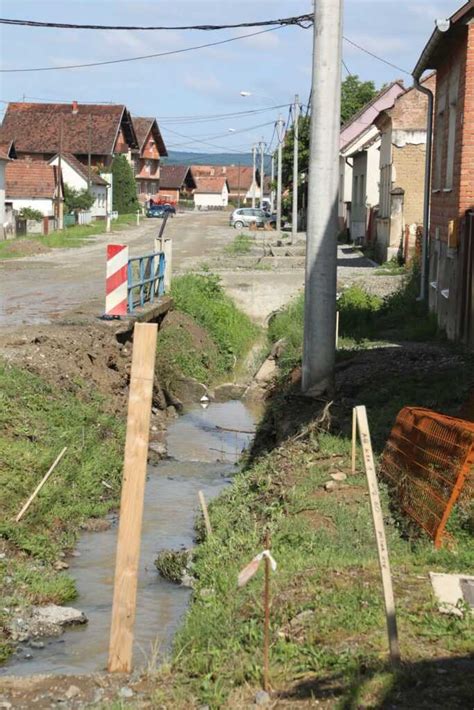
[[272, 189], [89, 154], [238, 188], [254, 181], [262, 171], [321, 248], [280, 124], [294, 218], [59, 197]]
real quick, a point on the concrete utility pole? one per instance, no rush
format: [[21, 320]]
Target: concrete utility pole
[[294, 218], [262, 170], [321, 248], [272, 189], [254, 181], [279, 131]]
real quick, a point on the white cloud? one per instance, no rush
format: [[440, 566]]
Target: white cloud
[[203, 84]]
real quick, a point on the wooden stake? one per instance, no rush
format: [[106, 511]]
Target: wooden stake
[[39, 486], [131, 505], [354, 439], [266, 626], [205, 513], [382, 550]]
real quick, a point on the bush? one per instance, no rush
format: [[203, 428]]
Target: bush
[[29, 213], [75, 200], [124, 186], [202, 297]]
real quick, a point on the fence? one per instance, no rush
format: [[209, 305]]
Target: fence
[[151, 279], [427, 461], [84, 217]]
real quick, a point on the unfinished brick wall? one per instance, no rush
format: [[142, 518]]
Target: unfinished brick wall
[[409, 164]]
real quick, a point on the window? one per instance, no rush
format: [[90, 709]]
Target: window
[[452, 117]]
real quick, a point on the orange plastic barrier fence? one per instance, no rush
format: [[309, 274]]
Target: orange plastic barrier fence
[[427, 461]]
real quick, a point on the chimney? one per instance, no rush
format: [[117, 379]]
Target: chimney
[[74, 108]]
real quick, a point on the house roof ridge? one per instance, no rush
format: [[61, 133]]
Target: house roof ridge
[[370, 103]]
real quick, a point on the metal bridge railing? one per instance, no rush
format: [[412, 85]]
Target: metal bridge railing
[[146, 279]]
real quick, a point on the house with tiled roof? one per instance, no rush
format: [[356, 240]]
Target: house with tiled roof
[[176, 183], [7, 153], [77, 176], [36, 185], [41, 130], [239, 179], [146, 157], [211, 192], [359, 145]]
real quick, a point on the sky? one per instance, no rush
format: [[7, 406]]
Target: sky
[[273, 66]]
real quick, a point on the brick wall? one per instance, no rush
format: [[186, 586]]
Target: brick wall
[[451, 204], [409, 164]]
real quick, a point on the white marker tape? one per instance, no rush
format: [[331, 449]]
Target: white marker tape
[[252, 568]]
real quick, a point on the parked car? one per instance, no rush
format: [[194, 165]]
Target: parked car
[[245, 216], [160, 210]]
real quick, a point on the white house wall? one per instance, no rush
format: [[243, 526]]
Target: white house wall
[[76, 181], [46, 207], [205, 199]]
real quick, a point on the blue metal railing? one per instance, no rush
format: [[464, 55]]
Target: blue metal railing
[[151, 279]]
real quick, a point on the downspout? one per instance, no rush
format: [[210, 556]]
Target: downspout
[[425, 255]]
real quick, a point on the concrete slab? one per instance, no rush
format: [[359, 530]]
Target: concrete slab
[[450, 590]]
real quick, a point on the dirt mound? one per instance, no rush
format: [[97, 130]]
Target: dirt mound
[[85, 360]]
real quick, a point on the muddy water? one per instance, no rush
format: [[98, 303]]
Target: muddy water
[[203, 458]]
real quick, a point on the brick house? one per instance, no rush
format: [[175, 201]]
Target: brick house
[[97, 130], [359, 144], [7, 153], [450, 51], [35, 185], [402, 152], [239, 179], [176, 182], [146, 158]]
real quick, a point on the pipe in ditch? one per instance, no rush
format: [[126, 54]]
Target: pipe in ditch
[[427, 192]]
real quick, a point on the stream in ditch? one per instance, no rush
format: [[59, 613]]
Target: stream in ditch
[[202, 458]]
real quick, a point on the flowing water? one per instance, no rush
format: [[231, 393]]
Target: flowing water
[[203, 458]]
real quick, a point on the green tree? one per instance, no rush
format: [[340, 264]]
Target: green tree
[[124, 187], [30, 213], [355, 94], [75, 200]]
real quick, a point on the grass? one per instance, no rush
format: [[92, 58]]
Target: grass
[[36, 421], [202, 297], [71, 237], [242, 244], [178, 354]]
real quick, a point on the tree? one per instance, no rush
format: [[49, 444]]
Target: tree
[[75, 200], [124, 187], [31, 214], [354, 95]]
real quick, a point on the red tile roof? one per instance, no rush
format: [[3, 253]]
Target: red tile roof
[[210, 184], [82, 169], [142, 127], [231, 172], [172, 177], [25, 179], [36, 128]]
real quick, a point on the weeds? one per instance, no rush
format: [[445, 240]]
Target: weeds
[[242, 244]]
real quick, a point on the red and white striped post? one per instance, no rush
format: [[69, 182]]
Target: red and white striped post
[[116, 292]]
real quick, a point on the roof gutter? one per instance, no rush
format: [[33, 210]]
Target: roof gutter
[[427, 189]]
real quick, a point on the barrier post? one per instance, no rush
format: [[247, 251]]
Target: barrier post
[[165, 244], [116, 280]]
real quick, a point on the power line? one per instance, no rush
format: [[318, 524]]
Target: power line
[[144, 56], [349, 73], [300, 20], [196, 140], [232, 133], [375, 56]]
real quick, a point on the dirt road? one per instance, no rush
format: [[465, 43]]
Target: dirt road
[[38, 289]]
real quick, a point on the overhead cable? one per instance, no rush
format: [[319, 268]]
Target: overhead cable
[[300, 20]]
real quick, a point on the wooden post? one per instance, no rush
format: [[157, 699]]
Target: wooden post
[[39, 486], [382, 550], [131, 505], [205, 513], [354, 439], [266, 626], [165, 244]]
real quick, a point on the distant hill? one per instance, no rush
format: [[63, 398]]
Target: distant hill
[[177, 157]]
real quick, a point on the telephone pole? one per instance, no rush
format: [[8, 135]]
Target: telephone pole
[[321, 248], [279, 132], [262, 170], [294, 217], [272, 189], [254, 181]]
